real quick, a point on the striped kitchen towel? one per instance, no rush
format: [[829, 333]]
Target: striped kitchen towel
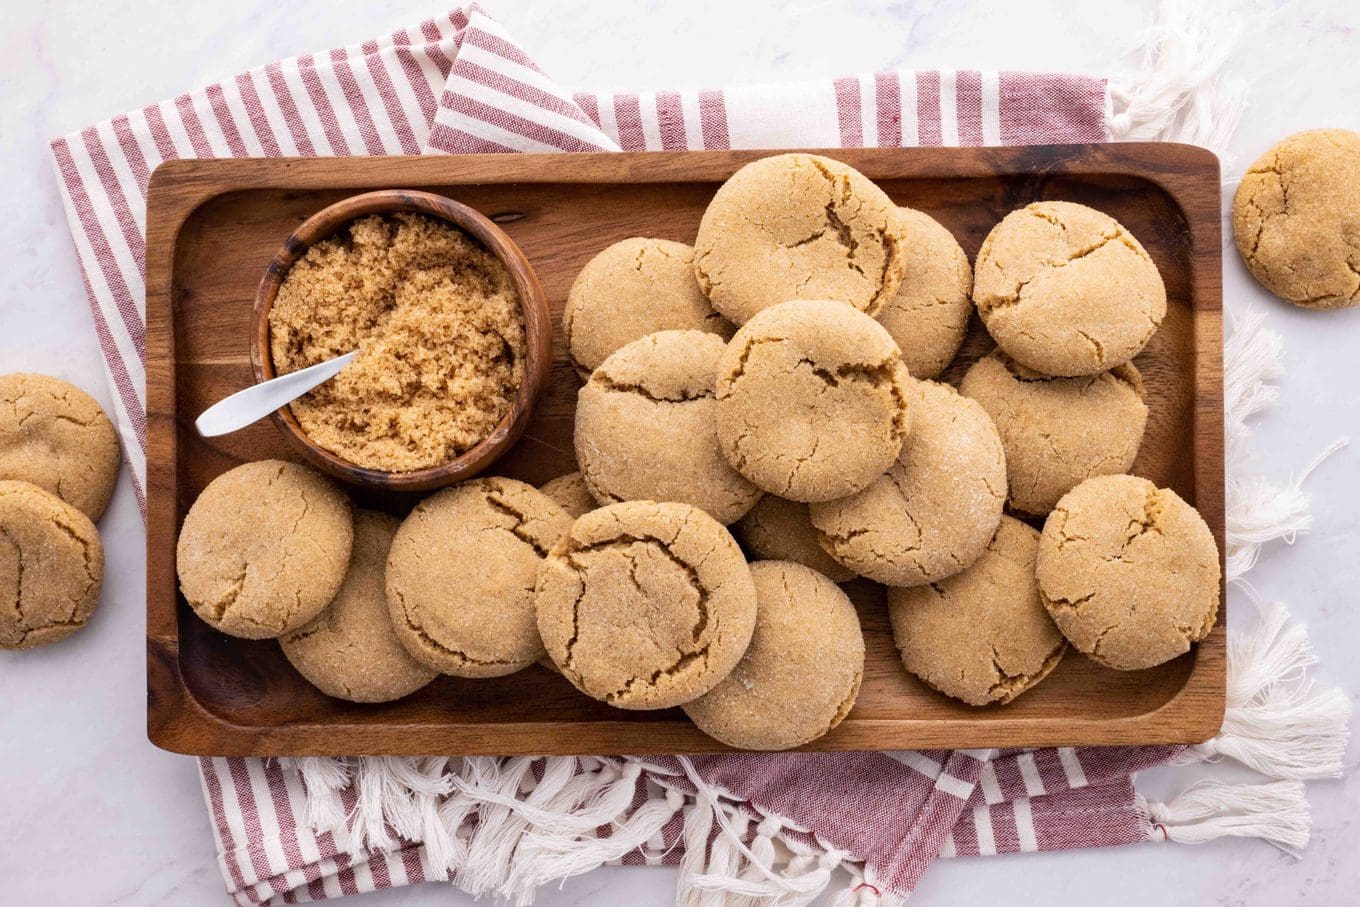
[[773, 828]]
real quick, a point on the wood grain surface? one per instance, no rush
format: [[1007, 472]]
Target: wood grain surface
[[213, 227]]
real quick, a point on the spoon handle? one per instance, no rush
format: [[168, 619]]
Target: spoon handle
[[257, 401]]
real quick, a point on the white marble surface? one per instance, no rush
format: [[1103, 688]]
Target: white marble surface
[[90, 813]]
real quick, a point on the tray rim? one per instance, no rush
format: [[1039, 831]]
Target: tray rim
[[1189, 175]]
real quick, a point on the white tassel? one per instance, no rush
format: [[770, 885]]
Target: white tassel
[[1278, 722], [1177, 92], [1276, 812], [323, 777], [1253, 357]]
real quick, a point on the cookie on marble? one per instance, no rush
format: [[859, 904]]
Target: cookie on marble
[[928, 316], [571, 493], [812, 400], [933, 511], [983, 635], [55, 436], [635, 287], [1057, 432], [646, 427], [264, 548], [1296, 218], [1067, 290], [799, 226], [460, 576], [781, 530], [1129, 572], [350, 650], [800, 675], [646, 605], [51, 567]]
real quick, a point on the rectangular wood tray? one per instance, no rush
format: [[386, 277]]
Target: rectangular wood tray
[[213, 226]]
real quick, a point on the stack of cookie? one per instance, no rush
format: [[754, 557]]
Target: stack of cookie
[[776, 377], [59, 462]]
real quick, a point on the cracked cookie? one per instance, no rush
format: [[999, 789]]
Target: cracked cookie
[[799, 226], [1129, 572], [55, 436], [932, 512], [51, 567], [781, 530], [264, 548], [1058, 432], [982, 635], [634, 288], [460, 576], [1296, 218], [350, 650], [570, 493], [645, 427], [928, 316], [800, 675], [812, 400], [646, 605], [1066, 290]]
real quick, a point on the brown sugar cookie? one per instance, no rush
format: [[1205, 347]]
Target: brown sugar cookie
[[571, 493], [1058, 431], [51, 567], [55, 436], [932, 512], [812, 400], [1066, 290], [928, 316], [645, 605], [798, 226], [633, 288], [1296, 217], [780, 530], [800, 675], [350, 650], [460, 576], [982, 635], [1129, 572], [646, 427], [264, 548]]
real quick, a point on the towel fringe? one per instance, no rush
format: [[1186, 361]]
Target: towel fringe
[[1276, 812]]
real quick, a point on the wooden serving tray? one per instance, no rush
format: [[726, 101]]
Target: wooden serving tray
[[213, 226]]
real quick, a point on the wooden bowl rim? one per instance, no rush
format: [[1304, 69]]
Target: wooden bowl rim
[[533, 303]]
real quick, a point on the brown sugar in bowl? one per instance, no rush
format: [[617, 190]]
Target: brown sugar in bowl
[[537, 336]]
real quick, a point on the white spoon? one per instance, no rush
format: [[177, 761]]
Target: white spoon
[[254, 403]]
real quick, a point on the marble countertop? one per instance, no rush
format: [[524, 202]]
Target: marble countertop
[[91, 813]]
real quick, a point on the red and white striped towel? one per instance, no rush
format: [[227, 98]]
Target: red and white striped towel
[[461, 84]]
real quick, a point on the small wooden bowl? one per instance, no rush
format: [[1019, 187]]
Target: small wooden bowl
[[537, 332]]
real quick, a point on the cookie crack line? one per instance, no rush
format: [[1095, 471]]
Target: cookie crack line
[[458, 655], [497, 502], [1017, 295], [1008, 686], [19, 579], [623, 387]]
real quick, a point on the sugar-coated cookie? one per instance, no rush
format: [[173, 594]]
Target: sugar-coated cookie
[[1066, 290], [799, 226], [982, 635], [51, 567], [646, 605], [1129, 572], [55, 436], [646, 427], [781, 530], [264, 548], [571, 493], [633, 288], [350, 650], [932, 512], [460, 576], [812, 400], [1058, 431], [1296, 217], [928, 316], [800, 675]]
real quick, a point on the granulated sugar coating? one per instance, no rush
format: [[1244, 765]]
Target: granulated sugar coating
[[440, 333]]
